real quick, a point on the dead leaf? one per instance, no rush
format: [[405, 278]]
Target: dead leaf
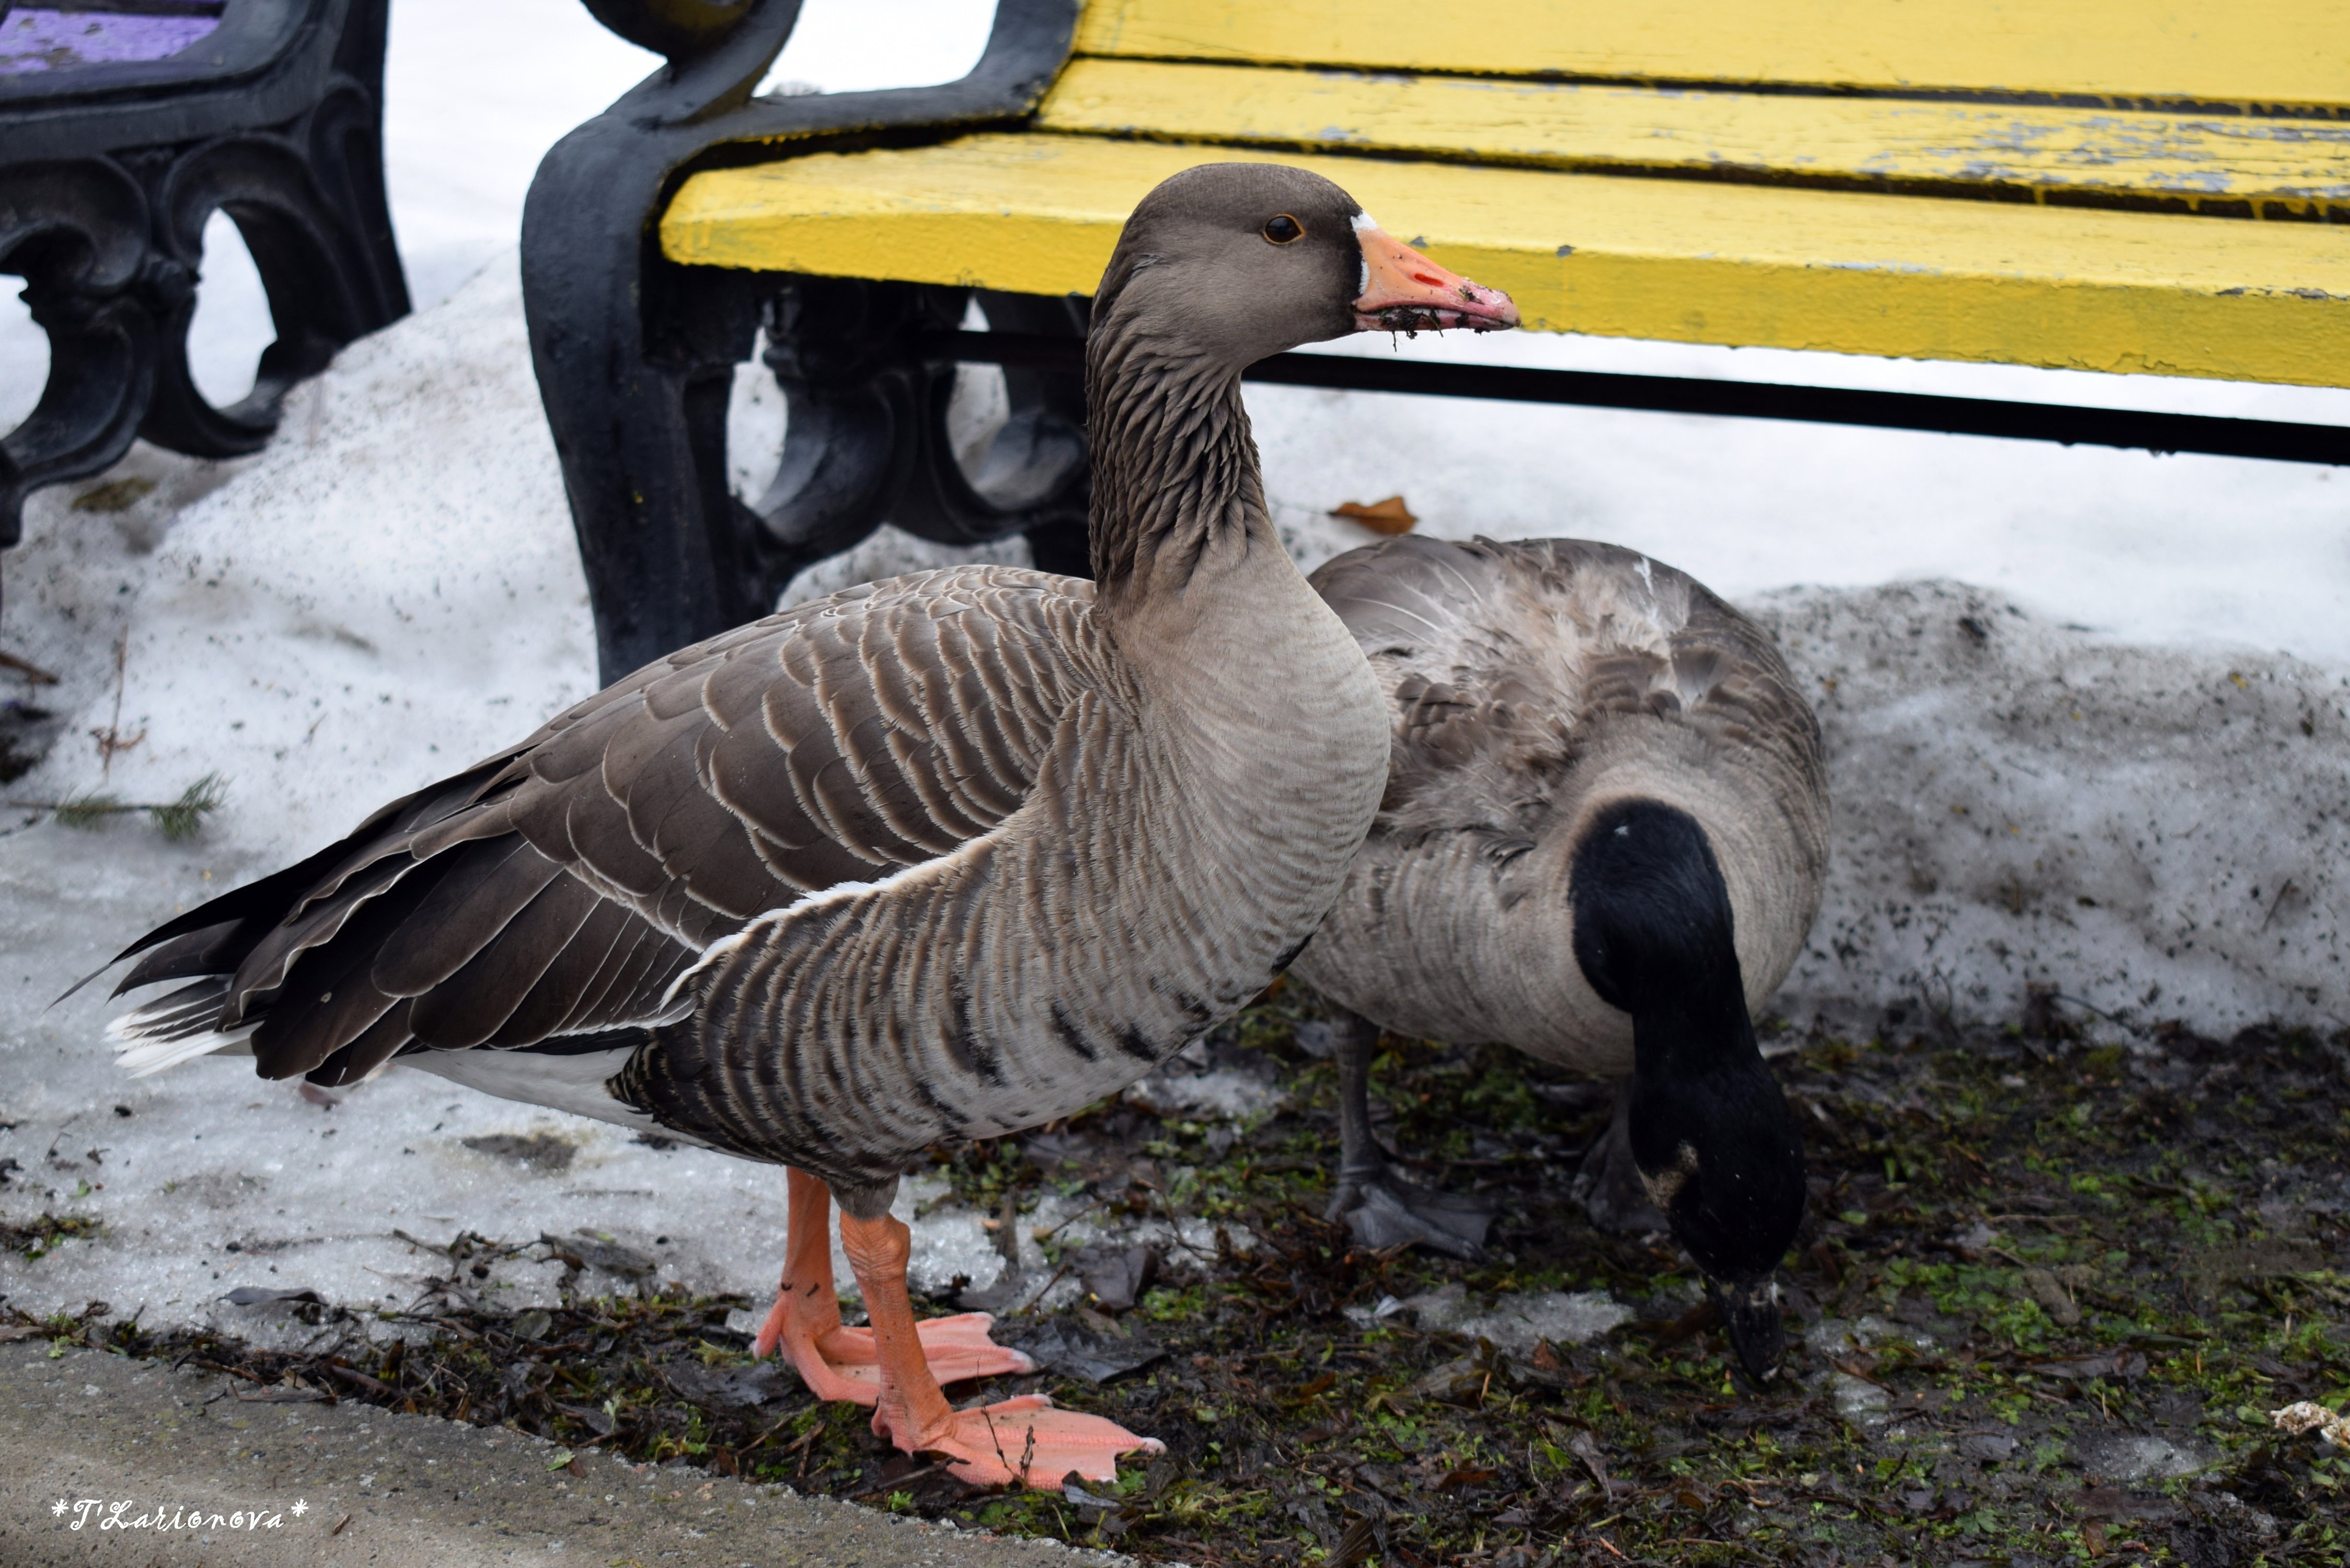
[[261, 1295], [1115, 1277], [114, 495], [1582, 1447], [1466, 1476], [1388, 516]]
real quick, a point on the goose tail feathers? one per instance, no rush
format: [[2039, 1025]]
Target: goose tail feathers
[[177, 1027]]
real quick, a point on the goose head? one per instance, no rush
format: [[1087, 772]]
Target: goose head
[[1711, 1134], [1238, 262]]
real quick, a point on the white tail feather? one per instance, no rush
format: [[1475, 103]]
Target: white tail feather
[[171, 1030], [141, 1057]]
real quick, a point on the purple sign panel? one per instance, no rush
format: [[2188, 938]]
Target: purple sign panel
[[42, 38]]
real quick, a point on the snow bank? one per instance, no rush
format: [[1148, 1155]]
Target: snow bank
[[388, 591], [2158, 832]]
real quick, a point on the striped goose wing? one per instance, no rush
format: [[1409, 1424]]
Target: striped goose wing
[[559, 889]]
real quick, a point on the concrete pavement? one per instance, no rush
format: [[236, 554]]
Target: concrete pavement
[[322, 1486]]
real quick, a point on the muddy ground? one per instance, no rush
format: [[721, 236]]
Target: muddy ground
[[2042, 1304]]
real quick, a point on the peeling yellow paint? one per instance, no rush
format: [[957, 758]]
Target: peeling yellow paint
[[2268, 165], [1692, 260], [2268, 52]]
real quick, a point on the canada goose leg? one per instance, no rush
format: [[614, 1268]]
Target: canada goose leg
[[1024, 1439], [1380, 1206], [840, 1363], [1609, 1182]]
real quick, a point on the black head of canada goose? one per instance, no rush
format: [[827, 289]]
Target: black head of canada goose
[[1602, 841], [935, 859]]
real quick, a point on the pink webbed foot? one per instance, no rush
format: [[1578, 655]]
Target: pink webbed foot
[[1027, 1439], [837, 1363], [1014, 1439], [840, 1363]]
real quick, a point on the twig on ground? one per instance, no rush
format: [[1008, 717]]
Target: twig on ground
[[27, 669], [110, 739]]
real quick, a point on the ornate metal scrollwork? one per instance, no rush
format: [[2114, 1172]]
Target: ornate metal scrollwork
[[868, 401], [108, 176], [636, 354]]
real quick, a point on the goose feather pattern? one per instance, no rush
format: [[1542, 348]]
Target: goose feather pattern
[[676, 857], [1453, 924]]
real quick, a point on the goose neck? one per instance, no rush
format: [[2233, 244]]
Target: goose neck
[[1655, 936], [1176, 488]]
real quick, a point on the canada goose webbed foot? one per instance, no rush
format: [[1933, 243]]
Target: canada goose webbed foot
[[1383, 1211], [1379, 1207]]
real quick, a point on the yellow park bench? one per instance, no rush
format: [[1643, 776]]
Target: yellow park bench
[[2158, 186]]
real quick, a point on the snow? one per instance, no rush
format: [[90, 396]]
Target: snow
[[2155, 832], [391, 589], [1518, 1320]]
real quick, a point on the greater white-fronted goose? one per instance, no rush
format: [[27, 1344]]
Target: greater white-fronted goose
[[936, 859], [1603, 842]]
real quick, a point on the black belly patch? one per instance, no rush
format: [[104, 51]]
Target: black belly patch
[[1136, 1044]]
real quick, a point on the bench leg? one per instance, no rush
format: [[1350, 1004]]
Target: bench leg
[[868, 436], [76, 233], [634, 355], [110, 245], [312, 228], [1033, 477], [636, 358], [110, 266]]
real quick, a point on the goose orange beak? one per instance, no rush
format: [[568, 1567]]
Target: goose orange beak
[[1403, 291]]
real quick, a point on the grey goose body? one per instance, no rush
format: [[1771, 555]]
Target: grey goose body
[[937, 858], [1597, 766], [861, 828]]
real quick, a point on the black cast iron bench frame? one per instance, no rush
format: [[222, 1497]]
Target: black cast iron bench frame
[[107, 175], [636, 353]]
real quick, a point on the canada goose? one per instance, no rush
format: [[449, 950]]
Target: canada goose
[[941, 858], [1603, 842]]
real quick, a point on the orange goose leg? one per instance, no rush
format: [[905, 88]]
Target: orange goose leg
[[838, 1363], [1022, 1439]]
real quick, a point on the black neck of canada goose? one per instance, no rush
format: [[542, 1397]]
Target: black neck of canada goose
[[1655, 936]]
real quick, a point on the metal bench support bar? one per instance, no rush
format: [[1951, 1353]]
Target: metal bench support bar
[[2064, 423]]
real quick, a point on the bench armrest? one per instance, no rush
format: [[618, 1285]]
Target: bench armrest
[[718, 51], [634, 353]]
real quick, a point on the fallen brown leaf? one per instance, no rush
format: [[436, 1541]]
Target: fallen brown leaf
[[1388, 516], [1465, 1477]]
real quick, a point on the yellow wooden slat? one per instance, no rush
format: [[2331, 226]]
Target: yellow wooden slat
[[2275, 52], [2275, 166], [1688, 260]]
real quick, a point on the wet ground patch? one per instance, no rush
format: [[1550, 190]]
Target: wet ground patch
[[2044, 1300]]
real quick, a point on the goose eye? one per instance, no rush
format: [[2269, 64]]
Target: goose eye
[[1284, 229]]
